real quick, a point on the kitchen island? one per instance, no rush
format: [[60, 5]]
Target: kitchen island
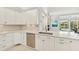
[[60, 41]]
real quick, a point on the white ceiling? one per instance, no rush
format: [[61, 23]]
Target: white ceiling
[[20, 9], [63, 10], [51, 10], [54, 9]]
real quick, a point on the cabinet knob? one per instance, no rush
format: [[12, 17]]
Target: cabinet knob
[[5, 22], [43, 40], [61, 40], [70, 41], [4, 40], [4, 46]]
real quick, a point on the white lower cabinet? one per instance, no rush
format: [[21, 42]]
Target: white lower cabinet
[[2, 42], [66, 44], [19, 37], [38, 43], [10, 39], [23, 36], [6, 41], [48, 43], [74, 44], [62, 44], [44, 43]]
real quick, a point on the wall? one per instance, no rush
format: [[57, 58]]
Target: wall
[[9, 28], [1, 28], [33, 28]]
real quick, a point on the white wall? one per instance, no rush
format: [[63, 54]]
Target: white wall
[[1, 28], [33, 28], [9, 28]]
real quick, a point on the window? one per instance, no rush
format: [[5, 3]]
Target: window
[[74, 25], [69, 23], [64, 25]]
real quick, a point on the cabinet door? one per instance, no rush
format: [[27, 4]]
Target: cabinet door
[[1, 42], [24, 39], [9, 39], [18, 37], [6, 41], [62, 44], [31, 16], [13, 17], [40, 43], [74, 45], [19, 19], [2, 17], [9, 16], [51, 43], [44, 42], [48, 43]]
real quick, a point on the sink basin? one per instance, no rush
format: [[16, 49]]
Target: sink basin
[[46, 33]]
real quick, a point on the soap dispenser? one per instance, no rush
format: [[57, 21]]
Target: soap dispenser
[[48, 27]]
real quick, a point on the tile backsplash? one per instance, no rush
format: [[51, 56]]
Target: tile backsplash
[[10, 28], [30, 27], [1, 28]]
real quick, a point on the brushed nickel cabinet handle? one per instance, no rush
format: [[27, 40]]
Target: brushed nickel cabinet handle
[[4, 46], [61, 42], [70, 41], [4, 40], [5, 22], [43, 40]]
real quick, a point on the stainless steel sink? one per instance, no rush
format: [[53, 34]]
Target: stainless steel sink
[[46, 33]]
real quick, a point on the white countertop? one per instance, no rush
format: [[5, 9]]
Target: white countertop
[[62, 34], [70, 35]]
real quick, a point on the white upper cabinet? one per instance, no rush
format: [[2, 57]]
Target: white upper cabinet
[[19, 19], [9, 17], [2, 13], [12, 17], [31, 16]]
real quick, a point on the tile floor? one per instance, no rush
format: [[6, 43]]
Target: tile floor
[[21, 48]]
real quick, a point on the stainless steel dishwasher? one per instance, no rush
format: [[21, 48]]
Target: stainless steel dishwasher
[[31, 40]]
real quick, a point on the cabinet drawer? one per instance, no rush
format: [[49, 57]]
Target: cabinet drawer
[[59, 40], [3, 41], [3, 47], [62, 44]]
